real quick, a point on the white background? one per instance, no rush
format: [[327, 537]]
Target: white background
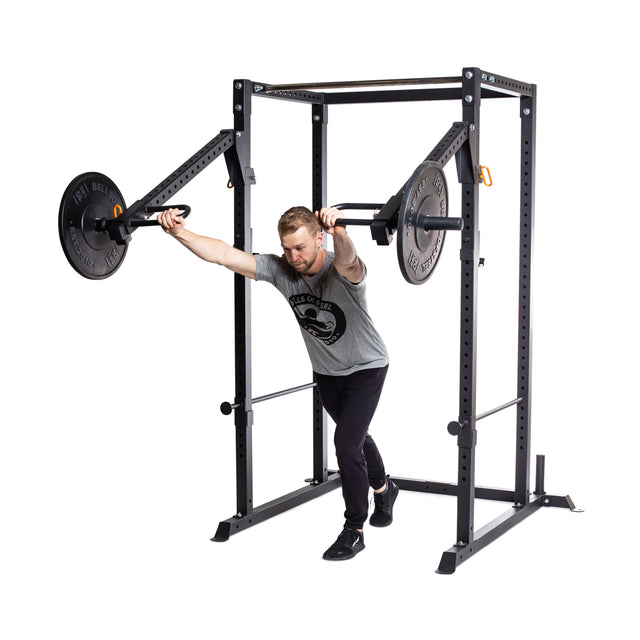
[[116, 465]]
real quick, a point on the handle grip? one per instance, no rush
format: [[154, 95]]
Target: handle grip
[[439, 223], [186, 210]]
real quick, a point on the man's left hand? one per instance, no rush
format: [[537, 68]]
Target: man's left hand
[[327, 218]]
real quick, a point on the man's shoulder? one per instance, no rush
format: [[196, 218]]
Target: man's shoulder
[[270, 266]]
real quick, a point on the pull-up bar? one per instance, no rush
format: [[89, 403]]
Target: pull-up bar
[[361, 83]]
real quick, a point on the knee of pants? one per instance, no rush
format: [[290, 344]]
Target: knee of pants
[[348, 450]]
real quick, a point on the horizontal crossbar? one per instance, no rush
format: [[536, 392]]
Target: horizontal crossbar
[[493, 85], [506, 405], [450, 489], [360, 83], [423, 94], [227, 407]]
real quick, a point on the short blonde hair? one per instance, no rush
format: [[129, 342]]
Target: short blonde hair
[[294, 218]]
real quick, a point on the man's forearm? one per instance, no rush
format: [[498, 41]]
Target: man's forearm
[[209, 249], [218, 252], [346, 258]]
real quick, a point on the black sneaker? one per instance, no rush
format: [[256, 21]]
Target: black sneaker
[[383, 513], [349, 542]]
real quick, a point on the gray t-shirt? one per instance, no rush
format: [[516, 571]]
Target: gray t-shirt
[[332, 314]]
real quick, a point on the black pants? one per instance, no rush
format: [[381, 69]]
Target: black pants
[[351, 401]]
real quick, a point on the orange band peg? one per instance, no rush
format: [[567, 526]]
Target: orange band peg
[[484, 177]]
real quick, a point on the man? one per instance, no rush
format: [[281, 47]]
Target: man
[[326, 291]]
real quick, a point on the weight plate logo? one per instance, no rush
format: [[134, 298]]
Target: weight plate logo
[[322, 319]]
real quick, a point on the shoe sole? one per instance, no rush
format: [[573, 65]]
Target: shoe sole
[[340, 559]]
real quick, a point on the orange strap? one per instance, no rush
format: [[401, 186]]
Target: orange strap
[[116, 213]]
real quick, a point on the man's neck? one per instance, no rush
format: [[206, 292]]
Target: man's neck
[[317, 265]]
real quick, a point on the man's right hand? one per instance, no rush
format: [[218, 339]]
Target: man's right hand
[[171, 221]]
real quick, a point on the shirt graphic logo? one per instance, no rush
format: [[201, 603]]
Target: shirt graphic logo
[[322, 319]]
